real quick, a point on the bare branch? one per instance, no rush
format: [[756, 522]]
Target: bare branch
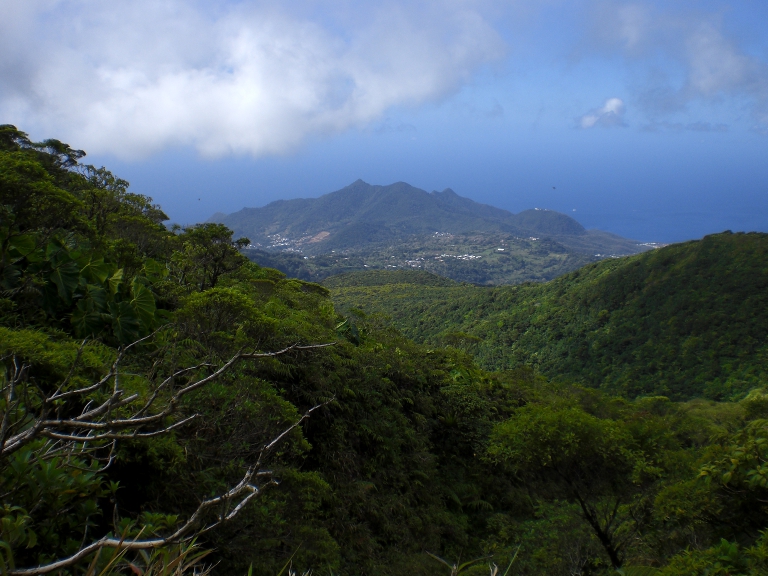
[[82, 391], [88, 434], [115, 436], [74, 365], [288, 349], [167, 381], [244, 491], [91, 420]]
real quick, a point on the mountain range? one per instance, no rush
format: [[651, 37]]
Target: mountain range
[[362, 213]]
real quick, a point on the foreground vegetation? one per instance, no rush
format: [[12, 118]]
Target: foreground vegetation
[[162, 397]]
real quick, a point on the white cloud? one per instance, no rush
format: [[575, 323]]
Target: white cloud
[[610, 114], [715, 64], [131, 77], [685, 55]]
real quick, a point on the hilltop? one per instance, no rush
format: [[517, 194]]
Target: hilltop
[[399, 226], [683, 321]]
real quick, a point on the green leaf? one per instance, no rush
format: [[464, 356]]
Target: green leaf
[[97, 295], [288, 563], [9, 276], [66, 276], [21, 246], [96, 270], [31, 539], [143, 303], [512, 561], [7, 561], [439, 559], [475, 561], [86, 319], [125, 323], [114, 281], [154, 271], [54, 247]]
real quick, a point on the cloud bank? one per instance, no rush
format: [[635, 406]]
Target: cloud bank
[[132, 77]]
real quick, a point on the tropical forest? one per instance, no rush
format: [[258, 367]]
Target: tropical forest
[[170, 406]]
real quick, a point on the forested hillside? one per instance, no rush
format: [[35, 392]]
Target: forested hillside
[[170, 408], [684, 321]]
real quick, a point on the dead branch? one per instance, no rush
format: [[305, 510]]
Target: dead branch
[[242, 492], [79, 428], [95, 425]]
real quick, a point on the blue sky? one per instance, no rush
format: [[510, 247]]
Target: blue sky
[[648, 119]]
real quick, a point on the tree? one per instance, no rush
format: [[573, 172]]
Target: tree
[[737, 474], [59, 430], [564, 452], [30, 198], [208, 252]]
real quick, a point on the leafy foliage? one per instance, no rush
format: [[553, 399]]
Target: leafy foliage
[[683, 321]]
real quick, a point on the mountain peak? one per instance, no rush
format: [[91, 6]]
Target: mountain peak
[[360, 214], [357, 185]]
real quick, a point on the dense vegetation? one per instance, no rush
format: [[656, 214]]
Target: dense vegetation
[[684, 321], [152, 380]]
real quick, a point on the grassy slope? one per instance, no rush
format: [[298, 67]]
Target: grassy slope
[[684, 321]]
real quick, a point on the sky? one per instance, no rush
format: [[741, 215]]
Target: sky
[[646, 119]]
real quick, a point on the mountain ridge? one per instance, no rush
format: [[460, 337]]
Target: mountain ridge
[[364, 226], [393, 210]]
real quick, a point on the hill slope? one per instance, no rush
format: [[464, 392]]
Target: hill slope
[[684, 321]]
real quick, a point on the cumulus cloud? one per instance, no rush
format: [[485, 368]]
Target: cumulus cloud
[[132, 77], [610, 114], [705, 64]]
